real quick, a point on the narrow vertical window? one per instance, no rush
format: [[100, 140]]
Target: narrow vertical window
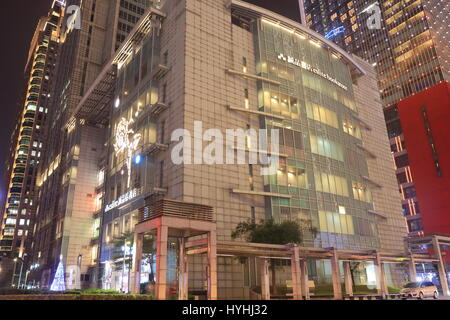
[[244, 64], [161, 174], [431, 141]]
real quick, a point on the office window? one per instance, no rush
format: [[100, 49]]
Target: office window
[[361, 192], [321, 114], [329, 183], [336, 223], [351, 128], [327, 148]]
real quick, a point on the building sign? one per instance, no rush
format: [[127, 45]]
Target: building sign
[[336, 31], [308, 67], [122, 199], [125, 144]]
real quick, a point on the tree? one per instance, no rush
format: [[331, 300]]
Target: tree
[[59, 282], [270, 232]]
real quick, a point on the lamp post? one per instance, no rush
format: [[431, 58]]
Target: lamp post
[[14, 272], [26, 279], [20, 273], [126, 244], [79, 263]]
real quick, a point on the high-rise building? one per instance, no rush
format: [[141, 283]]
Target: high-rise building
[[407, 43], [336, 20], [197, 66], [424, 120], [28, 139], [64, 227]]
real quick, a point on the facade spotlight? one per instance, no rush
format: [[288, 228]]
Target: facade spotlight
[[138, 159]]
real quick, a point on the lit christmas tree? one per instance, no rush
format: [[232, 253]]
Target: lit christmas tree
[[59, 283]]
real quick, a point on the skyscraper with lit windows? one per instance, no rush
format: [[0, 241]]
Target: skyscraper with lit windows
[[28, 142], [410, 53], [66, 221]]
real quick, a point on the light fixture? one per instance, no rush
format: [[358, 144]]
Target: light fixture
[[138, 159], [117, 103]]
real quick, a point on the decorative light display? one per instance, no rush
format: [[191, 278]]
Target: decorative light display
[[335, 32], [125, 144], [59, 283]]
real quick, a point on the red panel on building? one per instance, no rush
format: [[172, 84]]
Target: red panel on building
[[425, 119]]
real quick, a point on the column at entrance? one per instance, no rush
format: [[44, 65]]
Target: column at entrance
[[412, 269], [348, 279], [381, 275], [265, 280], [336, 277], [296, 274], [304, 279], [212, 265], [441, 267], [161, 262], [137, 258], [183, 291]]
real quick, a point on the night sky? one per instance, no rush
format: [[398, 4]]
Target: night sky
[[288, 8], [19, 20], [17, 25]]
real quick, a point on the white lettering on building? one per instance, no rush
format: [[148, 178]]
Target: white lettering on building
[[122, 199], [308, 67]]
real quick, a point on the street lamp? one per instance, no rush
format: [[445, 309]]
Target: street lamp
[[124, 264], [20, 273], [79, 263]]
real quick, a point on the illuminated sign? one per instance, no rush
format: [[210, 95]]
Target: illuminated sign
[[335, 32], [124, 144], [122, 200], [308, 67]]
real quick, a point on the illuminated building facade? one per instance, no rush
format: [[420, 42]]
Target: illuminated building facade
[[410, 53], [337, 20], [66, 224], [419, 46], [335, 164], [28, 141], [424, 120]]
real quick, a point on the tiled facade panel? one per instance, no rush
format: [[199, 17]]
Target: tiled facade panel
[[209, 90], [387, 202], [79, 215]]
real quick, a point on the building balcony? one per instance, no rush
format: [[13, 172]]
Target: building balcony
[[19, 170], [368, 153], [160, 71], [251, 76], [26, 133], [29, 115], [257, 112], [153, 110], [154, 148], [28, 124], [15, 190]]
